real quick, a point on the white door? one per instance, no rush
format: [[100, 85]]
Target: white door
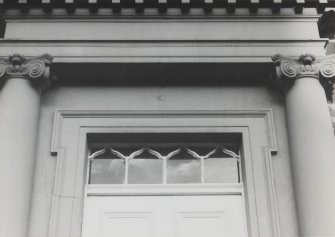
[[164, 216]]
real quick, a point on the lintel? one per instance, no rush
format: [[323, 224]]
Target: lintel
[[163, 51]]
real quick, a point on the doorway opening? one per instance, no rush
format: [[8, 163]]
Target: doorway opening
[[164, 184]]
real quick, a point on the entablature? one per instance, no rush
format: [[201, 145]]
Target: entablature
[[162, 63]]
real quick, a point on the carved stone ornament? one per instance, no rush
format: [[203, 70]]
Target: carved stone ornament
[[307, 66], [36, 70]]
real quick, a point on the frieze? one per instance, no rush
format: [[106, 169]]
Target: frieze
[[36, 70]]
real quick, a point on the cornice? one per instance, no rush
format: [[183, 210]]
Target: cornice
[[149, 13], [36, 70], [163, 5]]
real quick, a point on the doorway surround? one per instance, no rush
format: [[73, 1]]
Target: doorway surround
[[71, 128]]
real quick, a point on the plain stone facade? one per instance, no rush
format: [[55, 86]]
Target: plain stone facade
[[73, 69]]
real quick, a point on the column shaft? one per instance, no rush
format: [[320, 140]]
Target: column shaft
[[313, 157], [19, 111], [308, 82], [22, 80]]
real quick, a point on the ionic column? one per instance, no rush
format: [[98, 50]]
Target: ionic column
[[312, 140], [21, 80]]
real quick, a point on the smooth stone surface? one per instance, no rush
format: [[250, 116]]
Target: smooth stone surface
[[312, 155], [19, 113]]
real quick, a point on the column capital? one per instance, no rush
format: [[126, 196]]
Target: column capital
[[307, 66], [36, 70]]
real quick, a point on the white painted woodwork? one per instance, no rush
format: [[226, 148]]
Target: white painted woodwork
[[162, 169], [71, 129], [161, 190], [164, 216]]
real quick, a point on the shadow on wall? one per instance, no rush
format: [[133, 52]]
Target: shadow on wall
[[332, 113], [2, 27], [326, 25]]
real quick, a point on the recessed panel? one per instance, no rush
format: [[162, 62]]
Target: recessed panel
[[200, 224], [164, 216], [127, 224]]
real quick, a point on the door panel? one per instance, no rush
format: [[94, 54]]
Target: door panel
[[164, 216], [126, 224], [199, 224]]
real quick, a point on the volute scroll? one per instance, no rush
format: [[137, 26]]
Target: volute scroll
[[36, 69]]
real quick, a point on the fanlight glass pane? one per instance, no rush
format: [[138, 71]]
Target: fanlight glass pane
[[107, 171], [183, 168], [221, 170], [146, 169], [106, 168], [168, 158]]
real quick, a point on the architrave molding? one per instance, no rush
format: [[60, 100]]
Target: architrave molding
[[69, 142], [61, 115], [107, 51]]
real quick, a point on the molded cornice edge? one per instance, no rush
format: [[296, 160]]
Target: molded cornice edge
[[231, 5], [201, 13]]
